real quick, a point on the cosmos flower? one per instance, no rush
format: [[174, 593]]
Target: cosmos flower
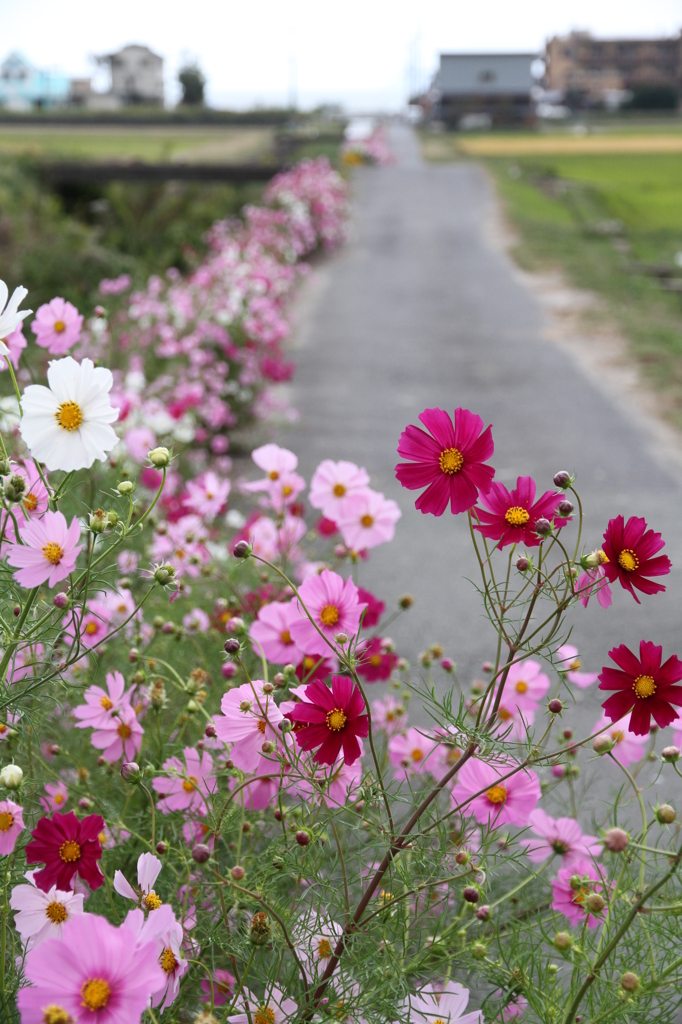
[[568, 661], [526, 685], [15, 343], [509, 517], [11, 826], [562, 836], [315, 949], [504, 801], [275, 462], [222, 985], [187, 785], [445, 1003], [10, 317], [630, 549], [48, 551], [628, 748], [389, 714], [102, 704], [271, 632], [57, 796], [121, 737], [67, 847], [272, 1008], [410, 752], [334, 606], [148, 870], [249, 719], [644, 686], [374, 610], [68, 424], [449, 461], [162, 929], [332, 719], [42, 915], [333, 482], [570, 901], [375, 663], [57, 326], [367, 520], [207, 495]]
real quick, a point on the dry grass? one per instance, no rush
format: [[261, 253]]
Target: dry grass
[[569, 145]]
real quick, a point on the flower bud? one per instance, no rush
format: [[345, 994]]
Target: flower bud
[[267, 747], [405, 602], [161, 848], [594, 559], [603, 744], [237, 872], [261, 929], [483, 913], [268, 688], [97, 521], [575, 882], [242, 549], [543, 527], [125, 487], [426, 658], [447, 664], [555, 706], [14, 488], [595, 903], [479, 950], [201, 853], [665, 813], [85, 803], [168, 628], [133, 655], [164, 574], [567, 734], [563, 479], [60, 601], [11, 776], [616, 840], [471, 894], [231, 646], [563, 940], [341, 638], [5, 466], [112, 518], [522, 564], [558, 771], [565, 507], [238, 625], [279, 680], [209, 731], [629, 982], [670, 754], [228, 670], [130, 771], [159, 457], [462, 857], [302, 837]]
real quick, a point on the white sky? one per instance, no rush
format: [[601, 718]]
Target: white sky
[[356, 52]]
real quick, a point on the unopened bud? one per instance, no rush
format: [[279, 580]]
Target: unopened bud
[[209, 731], [267, 747], [302, 837], [237, 872], [406, 601], [483, 913], [133, 655], [242, 549], [471, 894], [268, 688], [130, 771], [279, 680], [562, 479], [85, 803], [14, 488], [231, 646], [665, 814], [563, 940], [11, 776], [447, 664], [522, 564], [341, 638], [125, 487], [201, 853], [616, 840], [595, 903], [161, 848], [575, 882], [670, 754], [629, 982], [159, 457], [60, 601], [462, 857], [98, 521], [5, 466], [479, 950], [603, 744], [164, 574], [228, 670], [555, 706], [543, 527], [238, 625], [565, 507]]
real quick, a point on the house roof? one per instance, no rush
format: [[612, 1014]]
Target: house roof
[[498, 73]]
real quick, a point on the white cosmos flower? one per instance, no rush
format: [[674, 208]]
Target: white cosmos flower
[[68, 424], [148, 868], [42, 915], [10, 317]]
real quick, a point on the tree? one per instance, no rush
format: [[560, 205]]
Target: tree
[[192, 80]]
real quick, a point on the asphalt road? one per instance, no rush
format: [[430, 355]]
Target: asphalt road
[[419, 310]]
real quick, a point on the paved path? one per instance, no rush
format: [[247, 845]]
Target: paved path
[[421, 310]]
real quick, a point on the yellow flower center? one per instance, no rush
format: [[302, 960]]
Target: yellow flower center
[[190, 784], [521, 686], [516, 516], [367, 521], [261, 726], [339, 490], [58, 798], [375, 659], [59, 327], [106, 703], [644, 686], [168, 961], [329, 615], [56, 912], [56, 1015], [285, 637], [628, 560], [70, 851], [53, 552], [439, 1020], [575, 665], [102, 838], [273, 474], [504, 714], [324, 949], [497, 794], [264, 1016], [451, 460], [95, 993], [336, 720], [416, 754], [91, 628], [287, 490], [602, 556], [3, 728], [152, 901], [309, 663], [6, 821], [617, 736], [69, 416], [30, 502], [123, 731]]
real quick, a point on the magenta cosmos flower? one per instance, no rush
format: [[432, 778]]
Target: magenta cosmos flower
[[571, 902], [331, 719], [271, 633], [334, 607], [11, 824], [333, 483], [630, 549], [449, 463], [66, 846], [222, 985], [509, 517], [374, 610], [57, 326], [375, 663], [48, 551], [503, 801], [249, 719], [644, 686], [562, 836], [95, 973], [186, 786], [367, 520]]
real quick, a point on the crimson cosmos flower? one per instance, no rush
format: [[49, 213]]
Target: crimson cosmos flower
[[644, 686], [373, 662], [66, 846], [630, 548], [509, 517], [333, 719], [449, 463]]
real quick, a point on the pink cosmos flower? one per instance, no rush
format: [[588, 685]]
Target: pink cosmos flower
[[161, 929], [449, 463], [367, 520], [196, 621], [271, 633], [91, 627], [338, 784], [445, 1002], [284, 491], [35, 499], [11, 825], [316, 949], [514, 1008], [571, 902], [207, 495], [275, 462], [629, 747], [567, 661], [562, 836], [509, 517], [333, 483], [102, 704], [526, 685], [188, 784], [57, 326], [48, 551], [594, 581], [273, 1007], [389, 714], [148, 870], [183, 544], [94, 972], [374, 662], [57, 796], [122, 737], [260, 793], [16, 343], [334, 606], [42, 915], [249, 719], [410, 752], [504, 801], [222, 986], [514, 721]]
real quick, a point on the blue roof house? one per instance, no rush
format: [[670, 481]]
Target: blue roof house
[[23, 86]]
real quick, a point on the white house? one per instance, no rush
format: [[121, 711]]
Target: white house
[[136, 75]]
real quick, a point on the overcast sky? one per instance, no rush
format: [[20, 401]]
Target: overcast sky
[[356, 52]]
